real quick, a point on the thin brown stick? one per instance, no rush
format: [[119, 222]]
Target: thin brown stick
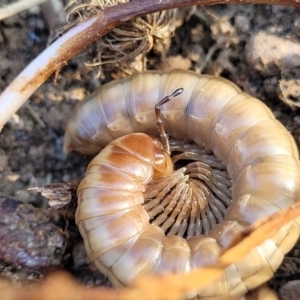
[[77, 38]]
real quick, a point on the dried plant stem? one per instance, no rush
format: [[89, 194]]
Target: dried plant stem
[[71, 43], [12, 9]]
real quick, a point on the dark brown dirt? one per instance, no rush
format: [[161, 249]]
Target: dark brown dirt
[[218, 40]]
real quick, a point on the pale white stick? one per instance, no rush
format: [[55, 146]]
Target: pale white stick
[[36, 73], [12, 9], [57, 55]]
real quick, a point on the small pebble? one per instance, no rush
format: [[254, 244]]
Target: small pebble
[[270, 54]]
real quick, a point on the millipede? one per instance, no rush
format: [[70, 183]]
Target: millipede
[[138, 214]]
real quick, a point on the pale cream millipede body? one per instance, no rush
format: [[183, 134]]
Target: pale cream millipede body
[[128, 231]]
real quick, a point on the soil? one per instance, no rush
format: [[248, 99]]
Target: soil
[[255, 46]]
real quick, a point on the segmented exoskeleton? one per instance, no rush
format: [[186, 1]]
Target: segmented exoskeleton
[[259, 154]]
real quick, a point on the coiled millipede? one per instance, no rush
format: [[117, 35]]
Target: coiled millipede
[[113, 214]]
